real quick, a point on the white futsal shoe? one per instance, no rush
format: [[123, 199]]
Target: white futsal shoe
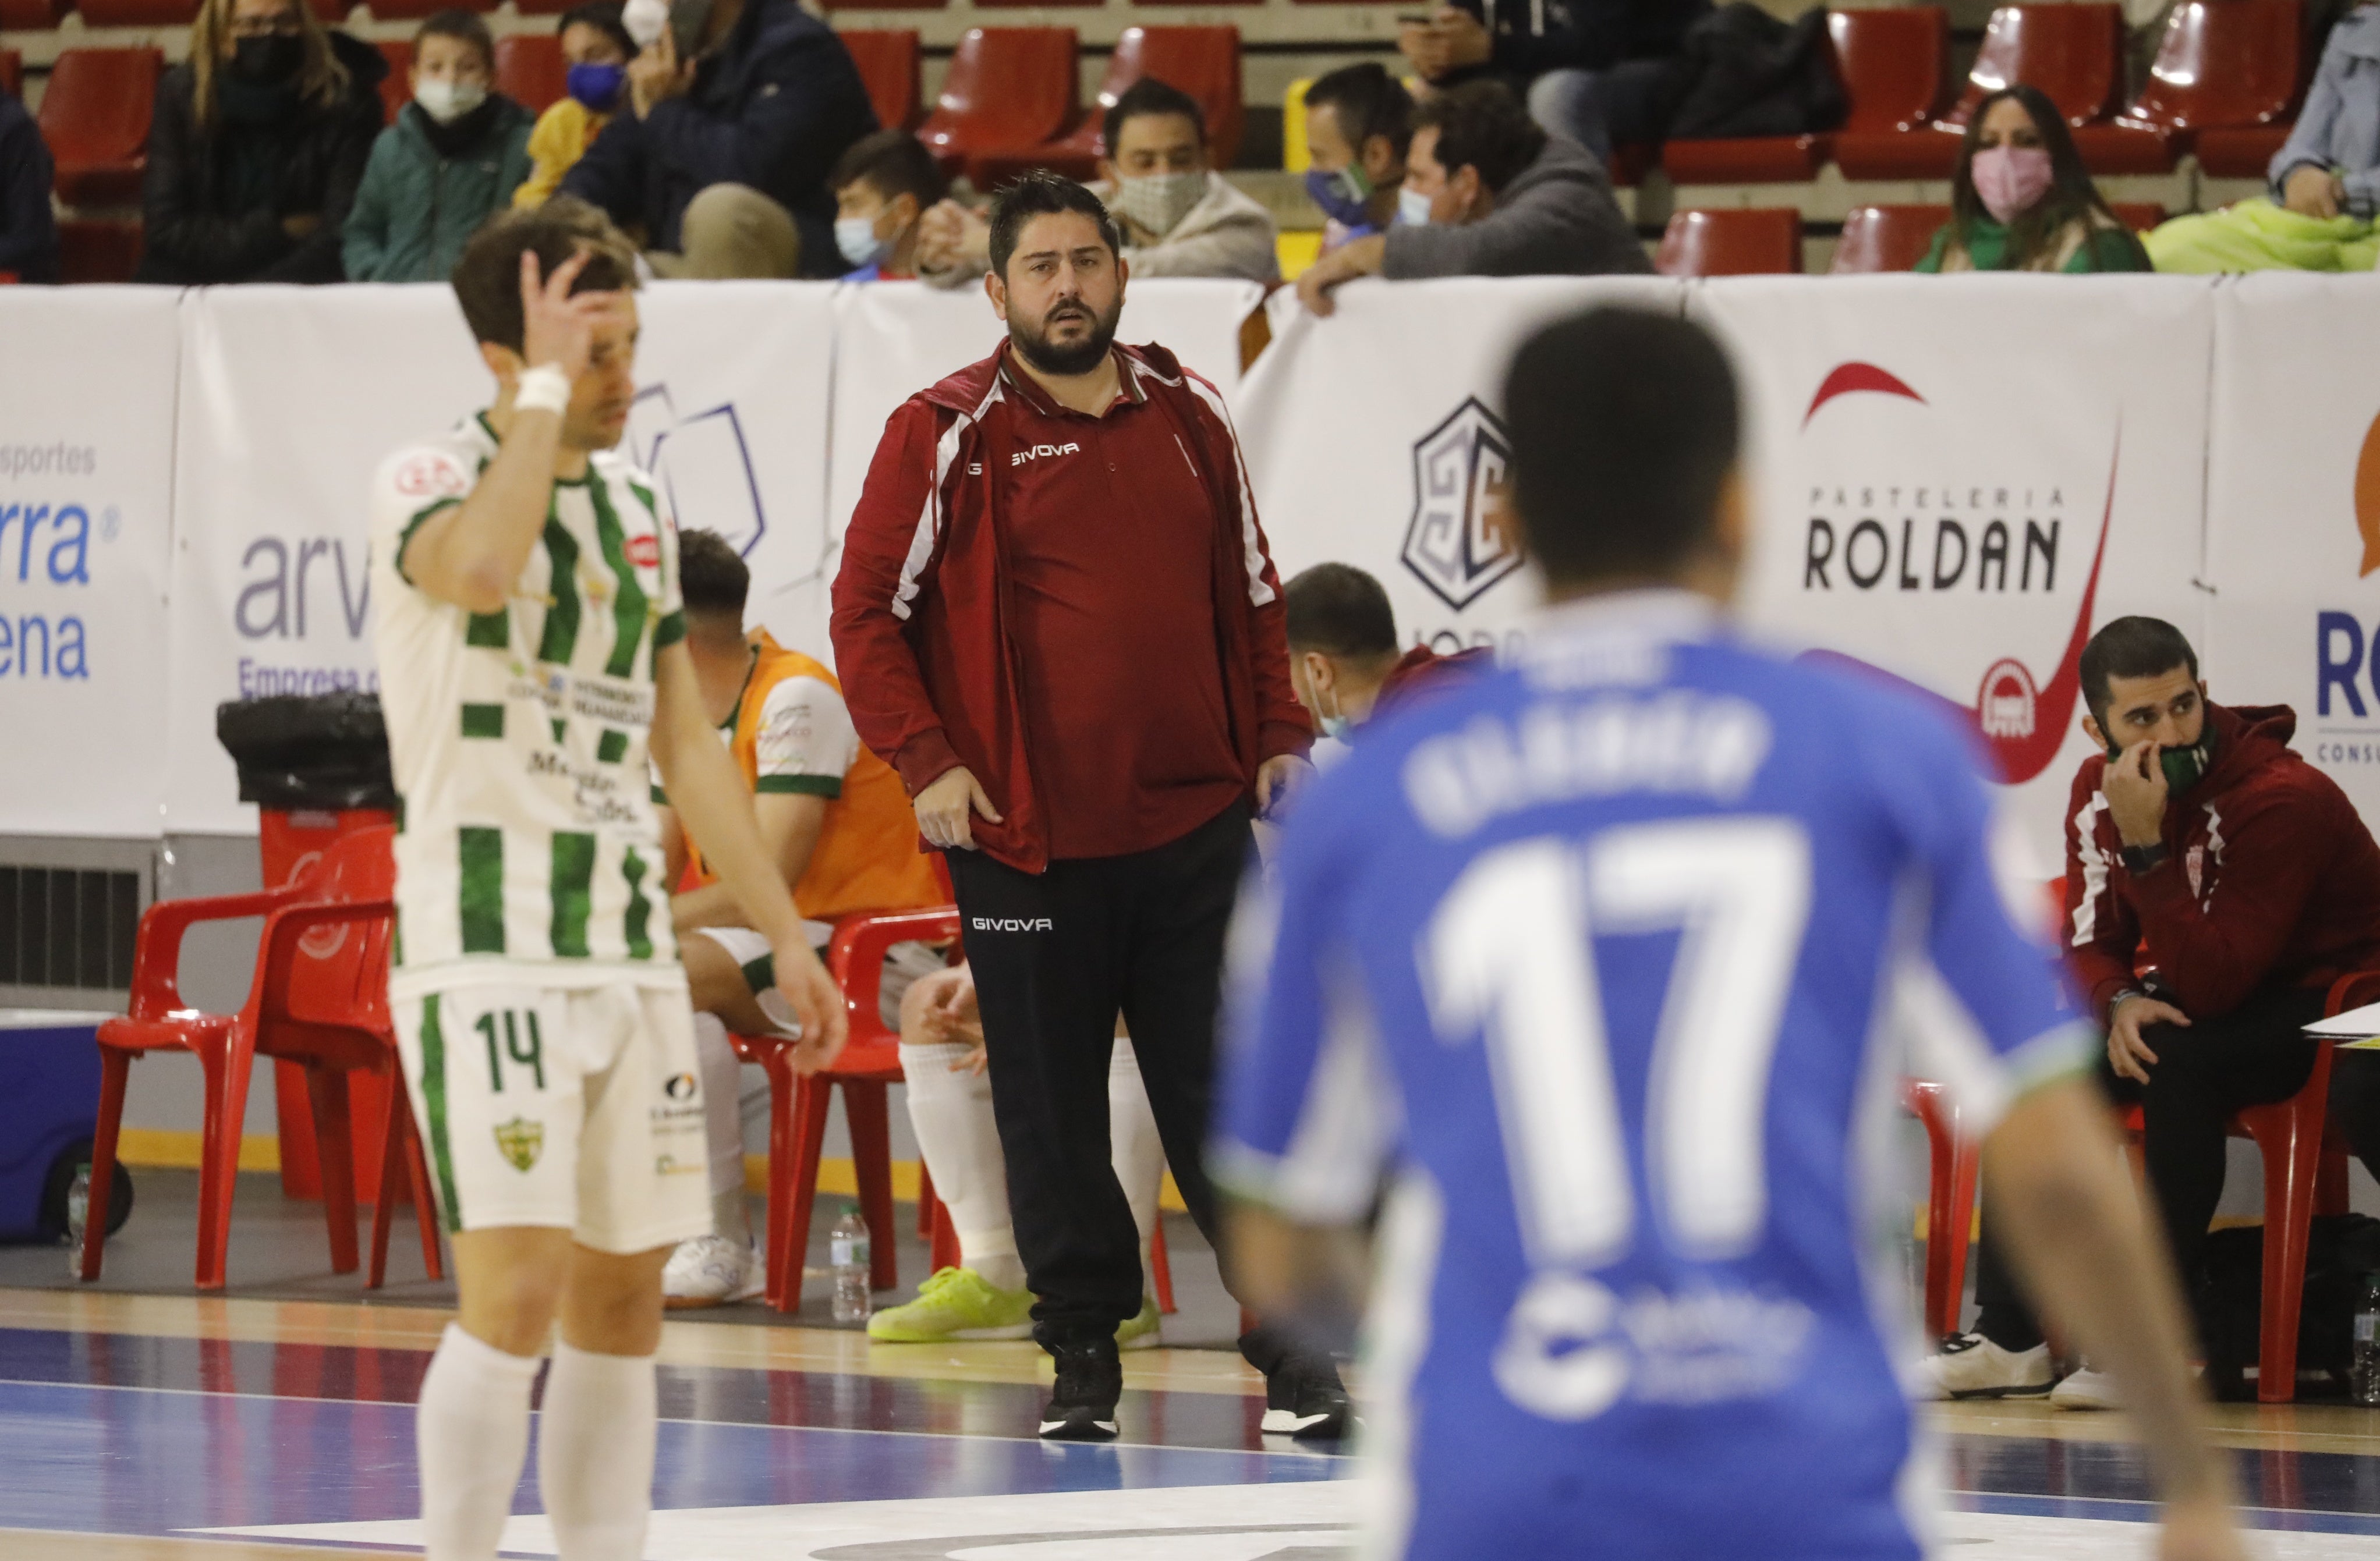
[[711, 1271]]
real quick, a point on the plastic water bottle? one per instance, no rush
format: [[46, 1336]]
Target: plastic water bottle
[[2365, 1380], [847, 1254], [78, 1218]]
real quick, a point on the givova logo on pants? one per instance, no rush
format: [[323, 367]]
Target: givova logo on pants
[[1012, 924]]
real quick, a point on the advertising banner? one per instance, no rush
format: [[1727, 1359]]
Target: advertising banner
[[1956, 485], [292, 396], [1375, 437], [86, 491], [2293, 517]]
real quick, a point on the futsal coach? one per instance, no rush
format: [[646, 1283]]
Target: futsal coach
[[1056, 619]]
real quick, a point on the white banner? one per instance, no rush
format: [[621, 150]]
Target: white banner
[[2293, 517], [1956, 484], [1374, 436], [86, 490], [292, 396], [895, 339]]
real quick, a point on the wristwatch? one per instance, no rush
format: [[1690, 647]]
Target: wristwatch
[[2140, 859]]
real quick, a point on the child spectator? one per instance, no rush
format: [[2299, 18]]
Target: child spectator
[[597, 48], [884, 183], [2022, 201], [28, 231], [456, 152]]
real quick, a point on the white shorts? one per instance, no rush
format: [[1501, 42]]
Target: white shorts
[[570, 1108], [904, 964]]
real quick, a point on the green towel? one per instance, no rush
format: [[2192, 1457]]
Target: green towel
[[2258, 236]]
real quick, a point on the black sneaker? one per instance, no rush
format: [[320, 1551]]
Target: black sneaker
[[1083, 1405], [1305, 1398]]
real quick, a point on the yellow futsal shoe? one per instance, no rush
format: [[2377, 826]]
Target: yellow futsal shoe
[[955, 1303], [1140, 1331]]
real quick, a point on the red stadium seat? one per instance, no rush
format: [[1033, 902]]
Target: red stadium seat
[[1202, 61], [418, 10], [888, 61], [885, 5], [2228, 74], [12, 73], [1896, 69], [1009, 88], [529, 70], [31, 16], [137, 13], [2137, 215], [332, 12], [1886, 238], [98, 249], [95, 116], [395, 87], [2074, 52], [1763, 241], [2239, 154], [543, 7]]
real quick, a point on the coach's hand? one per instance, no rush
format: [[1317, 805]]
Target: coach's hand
[[1279, 779], [2135, 788], [946, 809], [2127, 1054], [817, 1003]]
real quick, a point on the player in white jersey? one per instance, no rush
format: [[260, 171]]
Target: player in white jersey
[[529, 632]]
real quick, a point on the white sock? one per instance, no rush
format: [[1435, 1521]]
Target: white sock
[[952, 1115], [1139, 1153], [723, 1126], [595, 1452], [470, 1433]]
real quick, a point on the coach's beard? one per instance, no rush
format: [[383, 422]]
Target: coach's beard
[[1075, 358]]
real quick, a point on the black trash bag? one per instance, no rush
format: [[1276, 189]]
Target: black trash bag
[[326, 752], [1742, 72], [2342, 1249]]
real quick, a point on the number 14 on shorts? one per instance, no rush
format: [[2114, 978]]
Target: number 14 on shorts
[[523, 1041]]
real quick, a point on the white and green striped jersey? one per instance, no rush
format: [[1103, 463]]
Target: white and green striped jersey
[[519, 737]]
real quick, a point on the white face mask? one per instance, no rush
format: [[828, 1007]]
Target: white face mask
[[646, 20], [856, 237], [1156, 202], [448, 100], [1413, 207]]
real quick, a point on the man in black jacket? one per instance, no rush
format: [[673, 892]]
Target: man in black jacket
[[29, 233], [737, 112], [1589, 68]]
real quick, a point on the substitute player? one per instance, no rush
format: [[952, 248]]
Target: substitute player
[[524, 579], [1613, 959]]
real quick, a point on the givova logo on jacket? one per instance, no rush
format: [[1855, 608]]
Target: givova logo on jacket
[[1458, 468]]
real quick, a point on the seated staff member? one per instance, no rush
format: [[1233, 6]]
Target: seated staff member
[[1342, 650], [839, 826], [883, 185]]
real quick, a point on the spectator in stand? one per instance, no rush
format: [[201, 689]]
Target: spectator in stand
[[596, 48], [882, 187], [28, 229], [258, 143], [1342, 650], [2198, 843], [1358, 129], [453, 157], [736, 112], [2326, 178], [2022, 201], [1488, 192], [1593, 71], [1179, 216]]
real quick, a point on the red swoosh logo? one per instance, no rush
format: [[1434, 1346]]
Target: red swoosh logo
[[1845, 378], [2022, 754]]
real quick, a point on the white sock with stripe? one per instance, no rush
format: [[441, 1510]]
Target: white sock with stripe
[[723, 1126], [1139, 1153], [952, 1115], [470, 1433], [595, 1452]]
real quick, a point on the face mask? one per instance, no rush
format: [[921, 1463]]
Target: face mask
[[1413, 208], [856, 237], [2184, 768], [1342, 195], [448, 100], [1158, 202], [596, 87], [275, 58], [646, 20], [2009, 180]]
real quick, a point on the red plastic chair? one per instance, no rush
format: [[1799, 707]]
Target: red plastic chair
[[12, 73], [1878, 238], [325, 1008], [2137, 215], [396, 87], [31, 16], [418, 10], [1762, 241], [2223, 65], [1896, 71], [2073, 52], [1950, 1202], [1009, 88], [137, 13], [888, 61], [95, 116], [99, 248], [2239, 154], [1204, 62], [530, 71]]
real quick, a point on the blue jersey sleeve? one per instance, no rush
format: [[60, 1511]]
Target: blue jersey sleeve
[[1305, 1116], [1977, 989]]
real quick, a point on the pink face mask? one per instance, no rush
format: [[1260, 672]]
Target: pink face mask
[[2010, 179]]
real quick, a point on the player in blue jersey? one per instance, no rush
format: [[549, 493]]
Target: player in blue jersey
[[1611, 965]]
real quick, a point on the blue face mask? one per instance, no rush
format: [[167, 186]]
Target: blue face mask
[[1342, 195], [596, 87]]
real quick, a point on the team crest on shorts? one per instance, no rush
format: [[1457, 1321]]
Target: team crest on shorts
[[520, 1140]]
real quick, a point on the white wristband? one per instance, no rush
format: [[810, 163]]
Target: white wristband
[[542, 389]]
